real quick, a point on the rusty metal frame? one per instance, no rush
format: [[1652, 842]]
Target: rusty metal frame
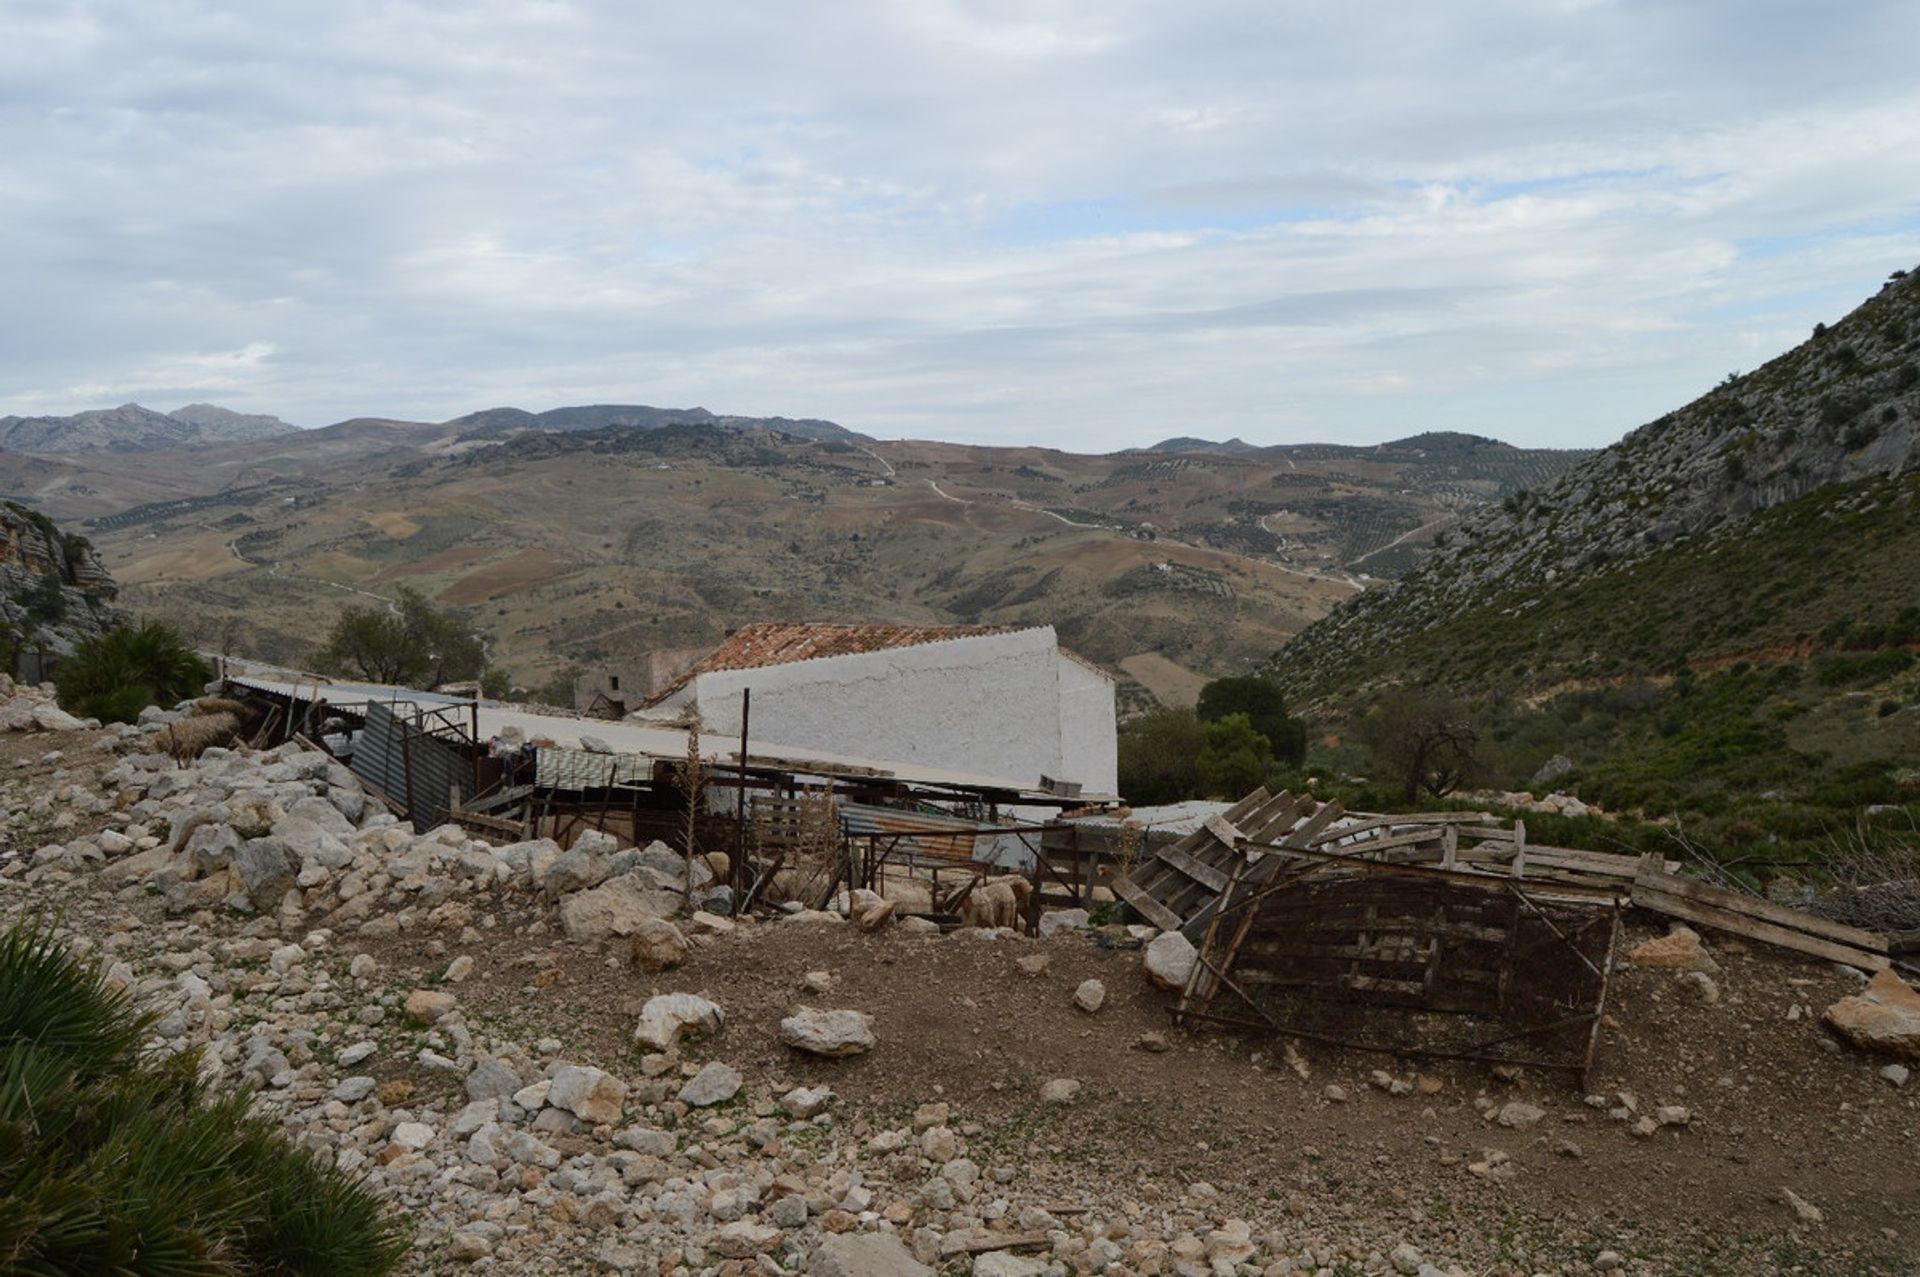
[[1242, 901]]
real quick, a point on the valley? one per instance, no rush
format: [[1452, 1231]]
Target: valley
[[576, 545]]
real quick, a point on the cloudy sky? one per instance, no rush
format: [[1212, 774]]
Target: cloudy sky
[[1086, 223]]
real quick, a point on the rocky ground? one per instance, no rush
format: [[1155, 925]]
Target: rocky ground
[[545, 1075]]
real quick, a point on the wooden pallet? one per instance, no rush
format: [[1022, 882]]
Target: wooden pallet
[[1178, 888]]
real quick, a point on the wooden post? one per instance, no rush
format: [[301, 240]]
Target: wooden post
[[740, 848]]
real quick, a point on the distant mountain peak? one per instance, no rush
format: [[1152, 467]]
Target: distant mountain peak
[[498, 423], [132, 427], [1187, 443]]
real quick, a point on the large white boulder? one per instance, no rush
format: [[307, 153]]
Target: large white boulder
[[829, 1033], [1170, 960]]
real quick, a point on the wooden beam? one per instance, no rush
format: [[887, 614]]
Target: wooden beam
[[1198, 870], [1754, 929], [1145, 905], [1756, 907], [1222, 828]]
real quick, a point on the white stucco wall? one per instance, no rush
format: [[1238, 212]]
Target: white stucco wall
[[1089, 744], [989, 705]]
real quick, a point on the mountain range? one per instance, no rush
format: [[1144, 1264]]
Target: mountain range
[[592, 535], [132, 428]]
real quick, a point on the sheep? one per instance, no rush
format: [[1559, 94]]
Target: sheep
[[996, 902], [189, 738]]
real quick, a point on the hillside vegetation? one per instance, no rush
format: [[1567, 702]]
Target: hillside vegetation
[[1714, 622]]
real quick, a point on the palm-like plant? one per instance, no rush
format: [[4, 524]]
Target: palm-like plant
[[115, 676], [116, 1161]]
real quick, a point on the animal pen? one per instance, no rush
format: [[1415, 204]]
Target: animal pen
[[832, 825]]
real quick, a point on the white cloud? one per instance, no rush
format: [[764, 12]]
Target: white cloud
[[1084, 224]]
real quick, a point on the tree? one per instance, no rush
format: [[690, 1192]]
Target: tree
[[1160, 757], [1234, 759], [1265, 707], [117, 1159], [116, 675], [46, 603], [1425, 740], [410, 643]]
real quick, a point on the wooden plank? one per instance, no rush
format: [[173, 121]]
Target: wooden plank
[[1744, 925], [1145, 905], [1765, 910], [1222, 828], [1904, 942], [1195, 869], [1303, 836]]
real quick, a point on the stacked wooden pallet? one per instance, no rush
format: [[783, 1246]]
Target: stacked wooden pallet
[[1178, 887]]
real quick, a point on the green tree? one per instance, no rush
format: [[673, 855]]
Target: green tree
[[117, 1159], [1160, 755], [1426, 741], [1234, 759], [410, 644], [46, 603], [1265, 707], [116, 675]]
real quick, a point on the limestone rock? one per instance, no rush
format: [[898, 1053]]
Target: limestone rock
[[1518, 1115], [864, 1255], [428, 1006], [714, 1084], [659, 946], [1170, 960], [1061, 1090], [806, 1101], [1678, 950], [590, 1094], [1885, 1017], [829, 1033], [616, 908], [669, 1015], [1090, 996], [1002, 1263]]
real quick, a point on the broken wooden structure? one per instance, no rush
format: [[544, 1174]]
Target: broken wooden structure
[[1445, 935], [1408, 959]]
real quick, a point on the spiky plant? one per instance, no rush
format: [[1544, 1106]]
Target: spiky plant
[[116, 675], [115, 1160]]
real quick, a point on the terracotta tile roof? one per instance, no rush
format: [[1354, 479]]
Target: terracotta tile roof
[[782, 642]]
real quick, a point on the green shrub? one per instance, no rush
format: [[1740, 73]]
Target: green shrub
[[1838, 670], [114, 677], [1160, 757], [120, 1161], [1265, 706], [1234, 760]]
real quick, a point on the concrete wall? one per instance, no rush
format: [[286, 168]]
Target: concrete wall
[[987, 705], [1089, 745]]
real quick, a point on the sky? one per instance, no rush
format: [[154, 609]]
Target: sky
[[1088, 224]]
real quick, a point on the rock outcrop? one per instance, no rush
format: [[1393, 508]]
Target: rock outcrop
[[54, 591]]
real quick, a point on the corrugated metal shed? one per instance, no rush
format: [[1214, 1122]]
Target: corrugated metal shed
[[410, 767]]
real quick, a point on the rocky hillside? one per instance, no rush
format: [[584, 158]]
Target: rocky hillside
[[132, 428], [53, 589], [1803, 432]]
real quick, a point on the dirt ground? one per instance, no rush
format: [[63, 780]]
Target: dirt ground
[[1773, 1103], [1776, 1103]]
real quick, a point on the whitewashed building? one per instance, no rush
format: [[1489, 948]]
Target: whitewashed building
[[994, 701]]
